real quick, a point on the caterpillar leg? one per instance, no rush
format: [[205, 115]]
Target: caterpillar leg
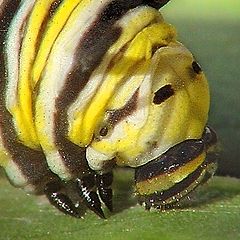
[[88, 186], [104, 182], [174, 174], [60, 200], [87, 191]]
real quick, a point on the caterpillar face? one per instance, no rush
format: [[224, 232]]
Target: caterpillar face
[[87, 85]]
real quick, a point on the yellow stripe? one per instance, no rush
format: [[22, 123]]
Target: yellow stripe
[[54, 27], [23, 112]]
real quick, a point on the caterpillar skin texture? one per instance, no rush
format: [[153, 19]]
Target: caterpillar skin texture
[[88, 85]]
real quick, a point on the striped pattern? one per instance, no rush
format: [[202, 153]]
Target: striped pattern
[[25, 167], [78, 83], [177, 172]]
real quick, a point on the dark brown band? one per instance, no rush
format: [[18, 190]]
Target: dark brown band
[[171, 160], [118, 115], [158, 198]]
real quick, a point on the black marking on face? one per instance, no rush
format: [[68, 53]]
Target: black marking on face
[[163, 94], [171, 160], [103, 131], [196, 67]]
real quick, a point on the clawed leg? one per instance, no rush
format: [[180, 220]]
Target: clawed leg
[[87, 187], [104, 183], [61, 201]]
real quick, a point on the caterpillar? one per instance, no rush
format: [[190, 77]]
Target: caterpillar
[[89, 85]]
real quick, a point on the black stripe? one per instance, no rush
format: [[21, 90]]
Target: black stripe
[[115, 116], [32, 163], [96, 42], [196, 67], [170, 161], [54, 6], [163, 94]]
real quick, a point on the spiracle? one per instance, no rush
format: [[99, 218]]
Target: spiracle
[[87, 85]]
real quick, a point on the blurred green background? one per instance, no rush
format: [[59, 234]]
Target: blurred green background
[[211, 30]]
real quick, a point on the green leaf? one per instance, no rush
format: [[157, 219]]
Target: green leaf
[[212, 212]]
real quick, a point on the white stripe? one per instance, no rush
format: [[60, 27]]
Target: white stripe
[[13, 46]]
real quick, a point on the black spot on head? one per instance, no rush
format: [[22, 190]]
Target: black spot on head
[[103, 132], [163, 94], [196, 67]]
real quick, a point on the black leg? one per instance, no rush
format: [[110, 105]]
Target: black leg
[[87, 187], [104, 183], [61, 201]]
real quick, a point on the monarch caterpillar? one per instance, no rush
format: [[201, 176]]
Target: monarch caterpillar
[[88, 85]]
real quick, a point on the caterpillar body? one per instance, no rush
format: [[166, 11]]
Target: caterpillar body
[[87, 85]]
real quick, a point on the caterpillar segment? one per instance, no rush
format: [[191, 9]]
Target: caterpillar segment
[[87, 85], [163, 181]]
